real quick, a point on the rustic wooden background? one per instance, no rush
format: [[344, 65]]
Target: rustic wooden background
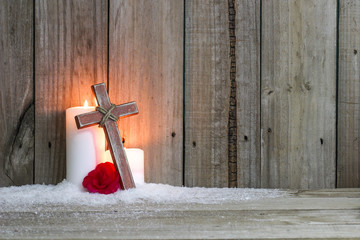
[[230, 92]]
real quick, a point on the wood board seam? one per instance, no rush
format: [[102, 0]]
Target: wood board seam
[[34, 79], [184, 93], [232, 121], [337, 90]]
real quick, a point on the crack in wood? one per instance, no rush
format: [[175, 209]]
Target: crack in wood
[[232, 126], [20, 158]]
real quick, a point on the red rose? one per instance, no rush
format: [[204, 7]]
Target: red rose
[[103, 179]]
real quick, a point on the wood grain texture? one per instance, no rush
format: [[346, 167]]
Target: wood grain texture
[[94, 118], [348, 171], [247, 28], [16, 93], [146, 66], [207, 90], [232, 124], [298, 94], [71, 55], [304, 215]]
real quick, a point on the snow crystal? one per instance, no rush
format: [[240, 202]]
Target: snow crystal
[[65, 193]]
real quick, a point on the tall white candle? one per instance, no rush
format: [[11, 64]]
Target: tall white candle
[[135, 158], [84, 147]]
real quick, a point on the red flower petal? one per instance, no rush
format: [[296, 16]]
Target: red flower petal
[[103, 179]]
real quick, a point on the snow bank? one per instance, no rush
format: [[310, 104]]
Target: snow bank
[[66, 193]]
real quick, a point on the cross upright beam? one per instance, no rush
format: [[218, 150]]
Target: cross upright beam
[[111, 131]]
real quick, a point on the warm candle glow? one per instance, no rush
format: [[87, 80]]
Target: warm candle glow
[[135, 158], [86, 103], [96, 103], [83, 146]]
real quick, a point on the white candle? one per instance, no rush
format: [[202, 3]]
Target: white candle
[[135, 158], [84, 147]]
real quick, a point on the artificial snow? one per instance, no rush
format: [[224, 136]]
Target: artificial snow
[[65, 193]]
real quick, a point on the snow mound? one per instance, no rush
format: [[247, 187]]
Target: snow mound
[[66, 193]]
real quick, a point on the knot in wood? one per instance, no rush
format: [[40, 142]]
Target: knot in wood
[[107, 114]]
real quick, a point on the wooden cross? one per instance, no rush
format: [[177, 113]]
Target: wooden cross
[[111, 130]]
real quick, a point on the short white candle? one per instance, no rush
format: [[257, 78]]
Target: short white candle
[[84, 147], [135, 158]]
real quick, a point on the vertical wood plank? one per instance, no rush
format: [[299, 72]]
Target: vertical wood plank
[[348, 171], [71, 55], [16, 93], [247, 28], [146, 66], [207, 90], [298, 94]]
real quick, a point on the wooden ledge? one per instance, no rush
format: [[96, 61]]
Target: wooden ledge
[[323, 214]]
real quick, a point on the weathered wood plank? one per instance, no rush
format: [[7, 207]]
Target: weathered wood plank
[[288, 217], [247, 29], [94, 118], [71, 55], [298, 94], [200, 224], [16, 93], [348, 170], [353, 193], [146, 66], [207, 89]]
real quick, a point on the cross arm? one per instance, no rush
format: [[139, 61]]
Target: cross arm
[[92, 118]]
